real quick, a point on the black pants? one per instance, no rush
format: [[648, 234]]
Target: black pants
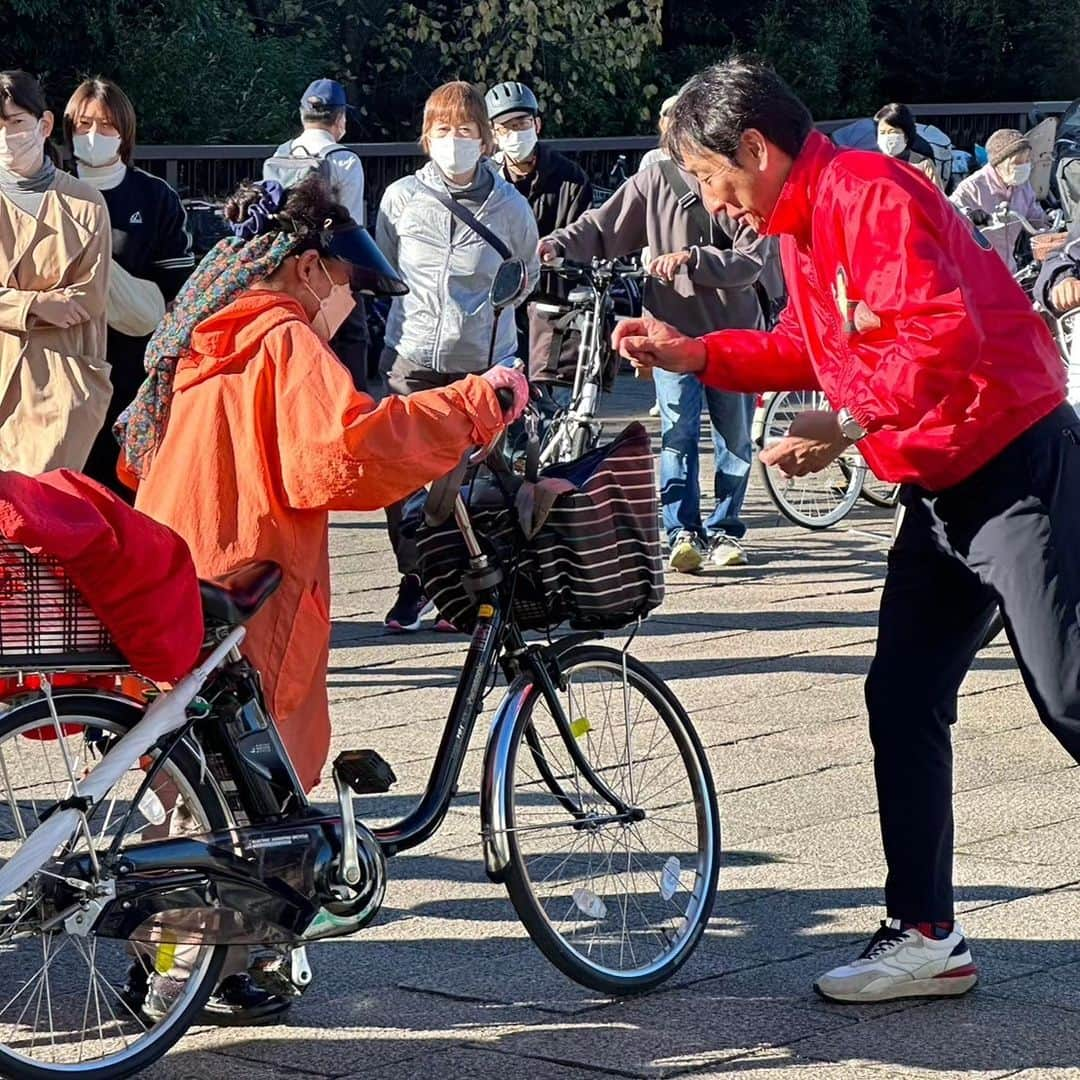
[[1009, 534], [403, 377]]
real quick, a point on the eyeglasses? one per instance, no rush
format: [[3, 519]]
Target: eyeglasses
[[519, 123]]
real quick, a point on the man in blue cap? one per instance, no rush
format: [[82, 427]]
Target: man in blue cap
[[325, 112]]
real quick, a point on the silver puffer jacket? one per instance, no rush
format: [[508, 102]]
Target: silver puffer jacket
[[445, 320]]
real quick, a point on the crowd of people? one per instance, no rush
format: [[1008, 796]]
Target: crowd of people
[[227, 400]]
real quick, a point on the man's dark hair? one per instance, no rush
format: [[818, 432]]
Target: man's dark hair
[[324, 117], [720, 103], [898, 116]]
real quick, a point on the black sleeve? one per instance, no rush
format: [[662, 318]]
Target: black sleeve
[[1062, 264], [173, 261]]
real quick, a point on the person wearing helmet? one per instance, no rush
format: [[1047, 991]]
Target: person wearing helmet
[[559, 192]]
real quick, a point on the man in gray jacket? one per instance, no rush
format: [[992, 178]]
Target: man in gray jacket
[[705, 275]]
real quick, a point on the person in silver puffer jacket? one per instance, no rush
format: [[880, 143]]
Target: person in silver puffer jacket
[[444, 323], [441, 330]]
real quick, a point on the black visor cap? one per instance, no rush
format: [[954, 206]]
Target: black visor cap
[[371, 273]]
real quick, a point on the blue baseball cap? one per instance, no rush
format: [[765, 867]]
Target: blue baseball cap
[[324, 95]]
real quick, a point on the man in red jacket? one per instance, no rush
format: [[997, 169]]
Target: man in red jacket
[[939, 369]]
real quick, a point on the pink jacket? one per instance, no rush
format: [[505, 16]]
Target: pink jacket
[[985, 190]]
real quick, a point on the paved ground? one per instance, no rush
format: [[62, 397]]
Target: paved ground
[[769, 660]]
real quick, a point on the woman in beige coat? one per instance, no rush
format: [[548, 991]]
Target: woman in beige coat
[[55, 248]]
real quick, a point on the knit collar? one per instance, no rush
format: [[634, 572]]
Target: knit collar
[[102, 177]]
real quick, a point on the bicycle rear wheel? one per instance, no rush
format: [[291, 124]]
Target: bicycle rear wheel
[[617, 904], [821, 499], [73, 1003]]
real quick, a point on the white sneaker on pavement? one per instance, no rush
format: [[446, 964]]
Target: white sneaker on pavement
[[903, 964], [687, 553], [725, 551]]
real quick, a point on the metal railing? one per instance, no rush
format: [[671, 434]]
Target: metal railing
[[212, 172]]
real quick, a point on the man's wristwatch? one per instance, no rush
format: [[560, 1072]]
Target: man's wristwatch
[[850, 428]]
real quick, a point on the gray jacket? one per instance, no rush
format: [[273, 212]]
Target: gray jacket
[[716, 292], [445, 320]]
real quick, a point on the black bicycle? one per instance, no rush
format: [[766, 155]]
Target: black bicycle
[[143, 833]]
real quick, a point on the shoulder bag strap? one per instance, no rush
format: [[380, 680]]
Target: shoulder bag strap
[[467, 217]]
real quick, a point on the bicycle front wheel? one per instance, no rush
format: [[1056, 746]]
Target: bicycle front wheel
[[821, 499], [616, 901]]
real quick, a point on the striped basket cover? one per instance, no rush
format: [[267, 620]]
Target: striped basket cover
[[595, 564]]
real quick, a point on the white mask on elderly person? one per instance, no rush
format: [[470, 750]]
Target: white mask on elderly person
[[1015, 175], [454, 155]]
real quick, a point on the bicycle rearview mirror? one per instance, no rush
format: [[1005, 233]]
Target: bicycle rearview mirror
[[510, 281]]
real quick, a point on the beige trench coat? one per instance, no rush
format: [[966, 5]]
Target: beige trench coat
[[54, 383]]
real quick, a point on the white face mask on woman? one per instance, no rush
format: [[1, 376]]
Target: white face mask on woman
[[1015, 175], [22, 152], [334, 308], [455, 156], [892, 143], [95, 149]]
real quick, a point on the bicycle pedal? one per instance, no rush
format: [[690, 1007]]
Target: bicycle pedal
[[365, 771]]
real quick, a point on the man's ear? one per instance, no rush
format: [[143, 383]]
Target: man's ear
[[48, 122], [756, 150], [539, 124]]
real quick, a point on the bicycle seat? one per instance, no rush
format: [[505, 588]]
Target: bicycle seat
[[235, 597]]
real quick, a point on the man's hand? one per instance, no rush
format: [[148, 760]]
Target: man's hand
[[549, 250], [56, 309], [649, 343], [813, 442], [1065, 295], [665, 267]]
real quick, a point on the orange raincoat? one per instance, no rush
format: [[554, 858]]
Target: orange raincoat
[[266, 435]]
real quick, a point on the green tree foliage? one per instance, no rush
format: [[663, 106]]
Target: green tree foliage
[[233, 70]]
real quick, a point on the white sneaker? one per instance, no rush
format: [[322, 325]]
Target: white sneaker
[[687, 553], [726, 551], [655, 410], [903, 964]]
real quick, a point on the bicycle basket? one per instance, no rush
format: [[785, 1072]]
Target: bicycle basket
[[594, 563], [44, 620]]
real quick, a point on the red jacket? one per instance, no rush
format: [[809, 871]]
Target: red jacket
[[960, 364], [136, 575]]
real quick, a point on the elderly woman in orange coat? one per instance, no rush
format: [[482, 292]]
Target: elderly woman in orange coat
[[249, 430]]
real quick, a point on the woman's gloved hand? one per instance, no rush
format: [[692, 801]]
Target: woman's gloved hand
[[511, 387]]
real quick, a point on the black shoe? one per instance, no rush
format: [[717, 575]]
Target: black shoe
[[136, 987], [410, 606], [239, 1001]]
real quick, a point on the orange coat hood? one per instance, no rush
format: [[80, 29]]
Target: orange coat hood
[[230, 338]]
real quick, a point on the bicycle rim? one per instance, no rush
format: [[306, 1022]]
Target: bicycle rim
[[70, 1002], [821, 499], [617, 905]]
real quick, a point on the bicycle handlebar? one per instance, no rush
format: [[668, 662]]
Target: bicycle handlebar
[[569, 269]]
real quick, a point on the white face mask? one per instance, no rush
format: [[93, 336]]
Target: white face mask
[[95, 149], [1016, 175], [892, 143], [23, 152], [453, 155], [334, 308], [518, 145]]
